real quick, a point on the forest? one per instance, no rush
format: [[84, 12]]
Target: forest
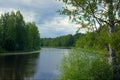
[[16, 34], [65, 41]]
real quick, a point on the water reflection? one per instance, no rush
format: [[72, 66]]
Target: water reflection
[[18, 67], [49, 62], [37, 66]]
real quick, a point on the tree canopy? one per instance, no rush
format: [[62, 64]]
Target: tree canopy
[[16, 34], [92, 12], [61, 41]]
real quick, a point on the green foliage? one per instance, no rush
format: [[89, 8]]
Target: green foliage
[[85, 12], [85, 66], [99, 40], [95, 40], [16, 35], [62, 41], [33, 36], [75, 67], [89, 14], [101, 69], [115, 39]]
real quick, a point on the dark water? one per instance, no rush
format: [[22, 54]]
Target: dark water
[[37, 66]]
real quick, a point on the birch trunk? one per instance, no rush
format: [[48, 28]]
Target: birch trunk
[[112, 57], [113, 61]]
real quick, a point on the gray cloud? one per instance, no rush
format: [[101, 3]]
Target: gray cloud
[[43, 12], [57, 26]]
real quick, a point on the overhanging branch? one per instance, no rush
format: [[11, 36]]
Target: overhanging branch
[[99, 20], [117, 21]]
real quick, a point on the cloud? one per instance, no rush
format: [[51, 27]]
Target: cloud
[[28, 16], [5, 10], [57, 26], [43, 13]]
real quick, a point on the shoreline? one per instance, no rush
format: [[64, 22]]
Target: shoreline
[[18, 53], [59, 47]]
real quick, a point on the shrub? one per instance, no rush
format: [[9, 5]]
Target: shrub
[[85, 66]]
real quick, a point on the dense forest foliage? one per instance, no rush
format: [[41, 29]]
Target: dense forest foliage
[[98, 40], [16, 34], [90, 57], [91, 14], [62, 41]]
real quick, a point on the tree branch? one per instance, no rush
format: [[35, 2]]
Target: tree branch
[[97, 19], [117, 7], [118, 21]]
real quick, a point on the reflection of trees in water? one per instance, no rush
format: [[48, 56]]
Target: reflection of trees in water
[[17, 67]]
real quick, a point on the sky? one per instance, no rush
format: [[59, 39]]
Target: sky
[[44, 13]]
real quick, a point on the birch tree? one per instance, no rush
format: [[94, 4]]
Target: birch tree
[[94, 13]]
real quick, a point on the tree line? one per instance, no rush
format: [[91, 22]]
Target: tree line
[[61, 41], [16, 34]]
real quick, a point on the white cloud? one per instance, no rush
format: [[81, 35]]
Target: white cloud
[[43, 12], [28, 16], [57, 26], [4, 10], [35, 3]]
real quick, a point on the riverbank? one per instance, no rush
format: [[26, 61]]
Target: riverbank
[[19, 53], [59, 47]]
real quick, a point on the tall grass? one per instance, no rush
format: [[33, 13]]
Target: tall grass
[[80, 65]]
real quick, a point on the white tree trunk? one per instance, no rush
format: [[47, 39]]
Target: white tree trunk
[[112, 56]]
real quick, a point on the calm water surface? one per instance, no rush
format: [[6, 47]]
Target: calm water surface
[[37, 66]]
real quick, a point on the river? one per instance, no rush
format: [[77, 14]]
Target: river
[[36, 66]]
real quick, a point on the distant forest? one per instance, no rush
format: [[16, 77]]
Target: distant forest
[[95, 40], [16, 34], [61, 41]]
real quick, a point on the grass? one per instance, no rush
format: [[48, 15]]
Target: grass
[[83, 64]]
